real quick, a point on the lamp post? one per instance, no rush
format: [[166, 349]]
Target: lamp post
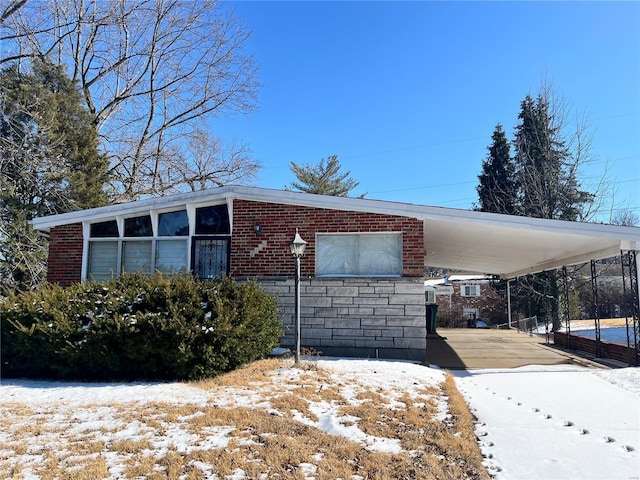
[[297, 247]]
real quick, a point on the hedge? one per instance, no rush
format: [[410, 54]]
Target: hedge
[[137, 327]]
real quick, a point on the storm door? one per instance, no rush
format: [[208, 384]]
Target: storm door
[[210, 257]]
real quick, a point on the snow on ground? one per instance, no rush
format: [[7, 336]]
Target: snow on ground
[[556, 422], [551, 422]]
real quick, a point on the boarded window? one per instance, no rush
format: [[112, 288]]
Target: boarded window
[[359, 254]]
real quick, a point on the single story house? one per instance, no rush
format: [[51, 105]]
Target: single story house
[[362, 292]]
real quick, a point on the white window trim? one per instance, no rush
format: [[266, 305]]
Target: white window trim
[[463, 290], [87, 239]]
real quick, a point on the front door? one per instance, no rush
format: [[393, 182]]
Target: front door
[[210, 257]]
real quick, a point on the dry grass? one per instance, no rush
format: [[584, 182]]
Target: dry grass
[[604, 322], [278, 438]]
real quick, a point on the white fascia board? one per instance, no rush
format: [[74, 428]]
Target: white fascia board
[[130, 208], [225, 194], [567, 261], [535, 224], [407, 210], [426, 213]]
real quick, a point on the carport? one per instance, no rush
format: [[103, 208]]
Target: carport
[[510, 246]]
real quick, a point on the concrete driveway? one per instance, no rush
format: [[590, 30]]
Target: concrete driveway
[[463, 348]]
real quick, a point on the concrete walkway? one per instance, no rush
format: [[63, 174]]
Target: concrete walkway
[[463, 348]]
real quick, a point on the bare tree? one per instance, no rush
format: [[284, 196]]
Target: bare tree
[[209, 163], [150, 72], [626, 217], [11, 8]]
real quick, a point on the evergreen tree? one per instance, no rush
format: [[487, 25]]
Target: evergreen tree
[[497, 188], [546, 170], [547, 184], [325, 178], [49, 164], [539, 181]]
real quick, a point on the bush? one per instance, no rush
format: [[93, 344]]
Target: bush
[[137, 328]]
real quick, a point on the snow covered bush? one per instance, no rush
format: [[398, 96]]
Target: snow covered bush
[[137, 327]]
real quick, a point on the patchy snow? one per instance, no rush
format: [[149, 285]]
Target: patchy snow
[[556, 422], [534, 422]]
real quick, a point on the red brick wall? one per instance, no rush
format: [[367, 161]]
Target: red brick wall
[[491, 306], [65, 254], [268, 254], [615, 351]]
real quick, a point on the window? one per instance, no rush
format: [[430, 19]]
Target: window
[[173, 224], [470, 313], [210, 257], [359, 254], [138, 226], [136, 256], [104, 229], [135, 251], [103, 260], [171, 255], [470, 290], [212, 220]]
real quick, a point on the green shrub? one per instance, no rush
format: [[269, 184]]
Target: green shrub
[[136, 327]]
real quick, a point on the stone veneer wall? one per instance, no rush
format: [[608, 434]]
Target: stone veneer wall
[[356, 317]]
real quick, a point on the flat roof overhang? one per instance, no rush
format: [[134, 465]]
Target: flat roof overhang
[[480, 242], [514, 251]]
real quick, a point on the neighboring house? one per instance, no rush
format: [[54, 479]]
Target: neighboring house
[[464, 299], [363, 288]]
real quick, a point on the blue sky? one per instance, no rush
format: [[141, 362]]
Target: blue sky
[[407, 94]]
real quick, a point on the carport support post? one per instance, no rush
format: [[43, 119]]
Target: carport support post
[[629, 260], [567, 313], [509, 301], [596, 309], [636, 308]]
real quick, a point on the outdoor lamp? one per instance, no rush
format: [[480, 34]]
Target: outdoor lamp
[[297, 247]]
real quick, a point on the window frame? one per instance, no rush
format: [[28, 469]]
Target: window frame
[[123, 240], [463, 290], [197, 238], [358, 236]]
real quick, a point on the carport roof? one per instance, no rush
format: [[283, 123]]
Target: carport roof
[[480, 242]]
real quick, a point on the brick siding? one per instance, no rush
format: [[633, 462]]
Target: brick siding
[[491, 305], [615, 351], [268, 254], [64, 264]]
